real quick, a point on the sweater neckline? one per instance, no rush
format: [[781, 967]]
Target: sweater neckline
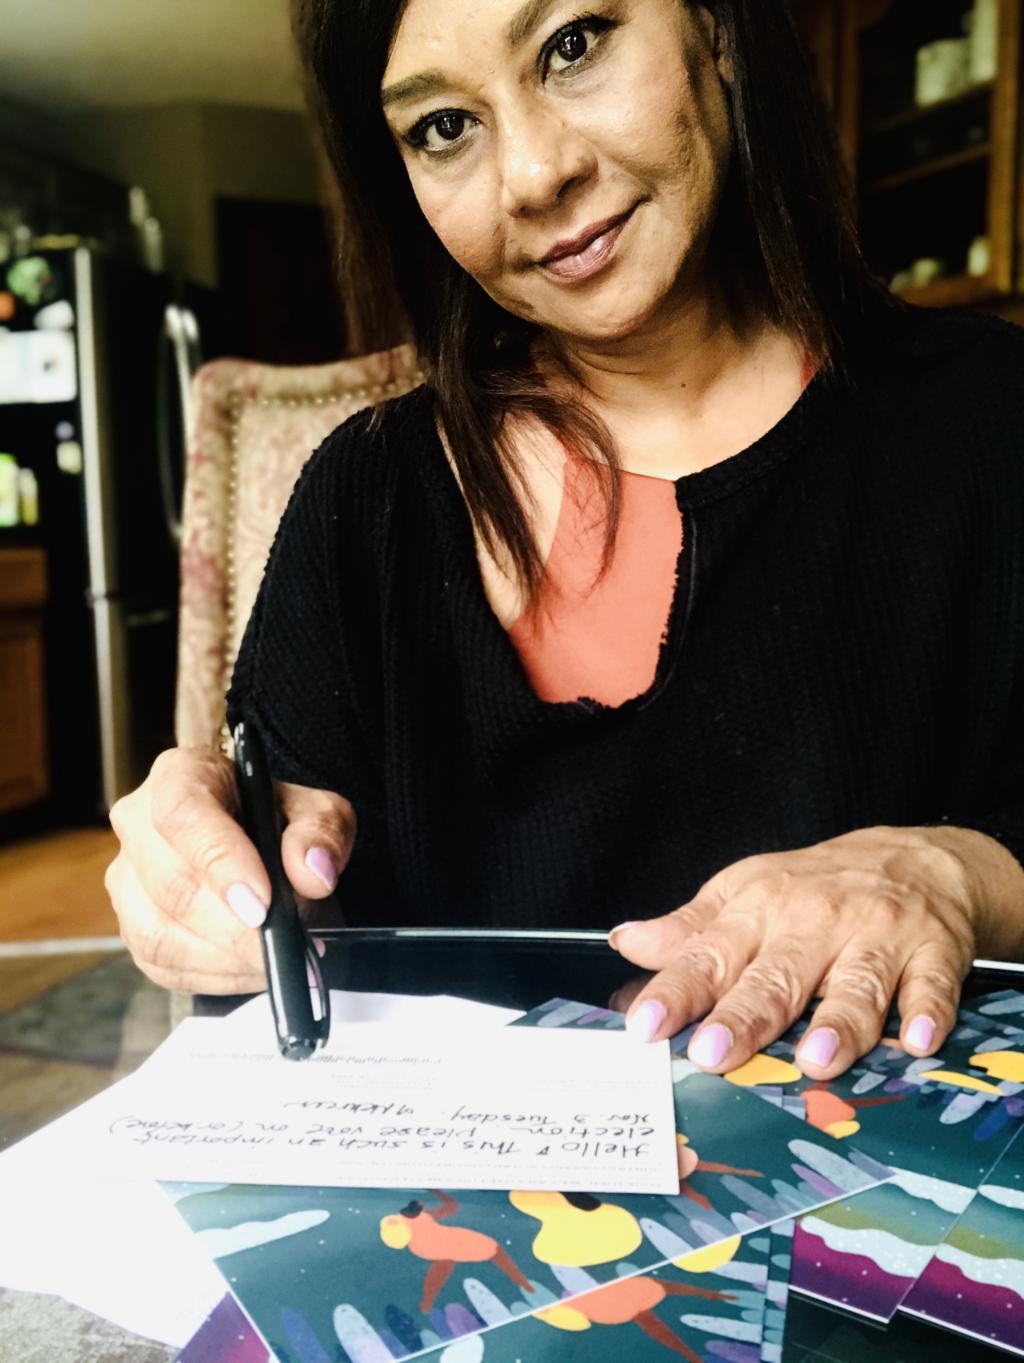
[[718, 480], [504, 710]]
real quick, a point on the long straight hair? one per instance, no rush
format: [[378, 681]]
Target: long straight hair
[[785, 223]]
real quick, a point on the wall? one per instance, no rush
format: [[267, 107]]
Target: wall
[[184, 156]]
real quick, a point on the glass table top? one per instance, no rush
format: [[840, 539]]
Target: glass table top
[[526, 969]]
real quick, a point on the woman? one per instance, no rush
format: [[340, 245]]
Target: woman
[[688, 589]]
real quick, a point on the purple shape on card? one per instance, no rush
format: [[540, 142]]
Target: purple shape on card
[[225, 1336], [731, 1351], [946, 1295], [851, 1280], [818, 1182], [304, 1341], [461, 1321]]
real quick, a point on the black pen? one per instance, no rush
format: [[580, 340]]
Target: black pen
[[287, 947]]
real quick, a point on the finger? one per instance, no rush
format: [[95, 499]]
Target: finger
[[626, 993], [212, 945], [211, 953], [929, 993], [707, 966], [652, 943], [849, 1020], [320, 829], [768, 996], [190, 794]]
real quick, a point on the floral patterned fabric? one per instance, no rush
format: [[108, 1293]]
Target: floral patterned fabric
[[255, 427]]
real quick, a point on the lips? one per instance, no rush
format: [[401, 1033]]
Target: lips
[[573, 246], [588, 254]]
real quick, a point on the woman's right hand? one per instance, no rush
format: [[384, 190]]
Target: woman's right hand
[[188, 886]]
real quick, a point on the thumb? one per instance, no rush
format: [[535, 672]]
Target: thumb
[[320, 828], [652, 943]]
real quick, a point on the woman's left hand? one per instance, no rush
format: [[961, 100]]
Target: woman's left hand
[[871, 916]]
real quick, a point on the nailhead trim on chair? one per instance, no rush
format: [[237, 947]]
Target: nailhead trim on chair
[[375, 393]]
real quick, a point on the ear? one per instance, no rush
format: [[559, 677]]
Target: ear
[[717, 39]]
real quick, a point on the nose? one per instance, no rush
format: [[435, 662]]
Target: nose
[[542, 157]]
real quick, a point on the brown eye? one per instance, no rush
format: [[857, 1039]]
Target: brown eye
[[571, 46], [439, 133], [450, 126]]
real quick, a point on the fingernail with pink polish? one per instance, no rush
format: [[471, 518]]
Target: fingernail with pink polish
[[246, 905], [319, 946], [620, 927], [644, 1023], [920, 1033], [820, 1046], [322, 866], [710, 1046]]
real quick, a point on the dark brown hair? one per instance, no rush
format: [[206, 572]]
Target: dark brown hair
[[785, 223]]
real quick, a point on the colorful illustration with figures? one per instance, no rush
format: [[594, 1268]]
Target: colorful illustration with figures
[[374, 1276], [735, 1314], [702, 1276], [420, 1231], [941, 1122]]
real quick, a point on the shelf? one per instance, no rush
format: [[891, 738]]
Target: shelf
[[923, 111], [936, 166], [950, 291]]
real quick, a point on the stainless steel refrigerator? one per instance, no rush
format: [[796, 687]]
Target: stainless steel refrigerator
[[95, 355]]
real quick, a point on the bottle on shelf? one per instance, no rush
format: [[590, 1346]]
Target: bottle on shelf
[[10, 509], [28, 497]]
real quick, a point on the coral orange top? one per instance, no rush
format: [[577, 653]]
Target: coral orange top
[[601, 638]]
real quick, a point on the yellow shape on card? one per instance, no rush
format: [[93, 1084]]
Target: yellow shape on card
[[578, 1230], [1002, 1064], [707, 1260], [763, 1069], [963, 1081], [564, 1318], [395, 1232], [840, 1129]]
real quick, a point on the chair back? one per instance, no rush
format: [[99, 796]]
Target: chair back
[[254, 427]]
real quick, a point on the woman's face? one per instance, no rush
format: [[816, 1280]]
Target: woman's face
[[569, 157]]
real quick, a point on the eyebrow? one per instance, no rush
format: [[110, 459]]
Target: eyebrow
[[525, 20], [413, 87], [520, 27]]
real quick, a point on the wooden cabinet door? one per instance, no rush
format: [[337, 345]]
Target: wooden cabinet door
[[24, 765]]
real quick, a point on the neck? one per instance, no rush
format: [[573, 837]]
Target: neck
[[673, 360], [691, 387]]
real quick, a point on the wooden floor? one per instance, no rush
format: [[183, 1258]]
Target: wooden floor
[[52, 886], [51, 889]]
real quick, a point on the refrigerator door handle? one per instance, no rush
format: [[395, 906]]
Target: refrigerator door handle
[[177, 359]]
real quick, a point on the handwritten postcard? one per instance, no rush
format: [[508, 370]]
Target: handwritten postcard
[[502, 1109]]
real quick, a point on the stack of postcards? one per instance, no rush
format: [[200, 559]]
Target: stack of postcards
[[897, 1187]]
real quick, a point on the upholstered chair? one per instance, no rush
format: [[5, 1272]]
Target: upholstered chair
[[254, 427]]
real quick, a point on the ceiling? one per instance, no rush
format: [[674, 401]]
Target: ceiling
[[65, 55]]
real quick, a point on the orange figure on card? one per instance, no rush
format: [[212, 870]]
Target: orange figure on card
[[420, 1232], [629, 1301]]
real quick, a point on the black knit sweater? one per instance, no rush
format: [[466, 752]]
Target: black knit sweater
[[845, 649]]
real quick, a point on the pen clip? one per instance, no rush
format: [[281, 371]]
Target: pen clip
[[288, 951]]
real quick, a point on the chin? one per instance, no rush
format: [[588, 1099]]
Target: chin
[[606, 324]]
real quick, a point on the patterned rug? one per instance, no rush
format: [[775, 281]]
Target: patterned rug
[[85, 1019], [41, 1329]]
